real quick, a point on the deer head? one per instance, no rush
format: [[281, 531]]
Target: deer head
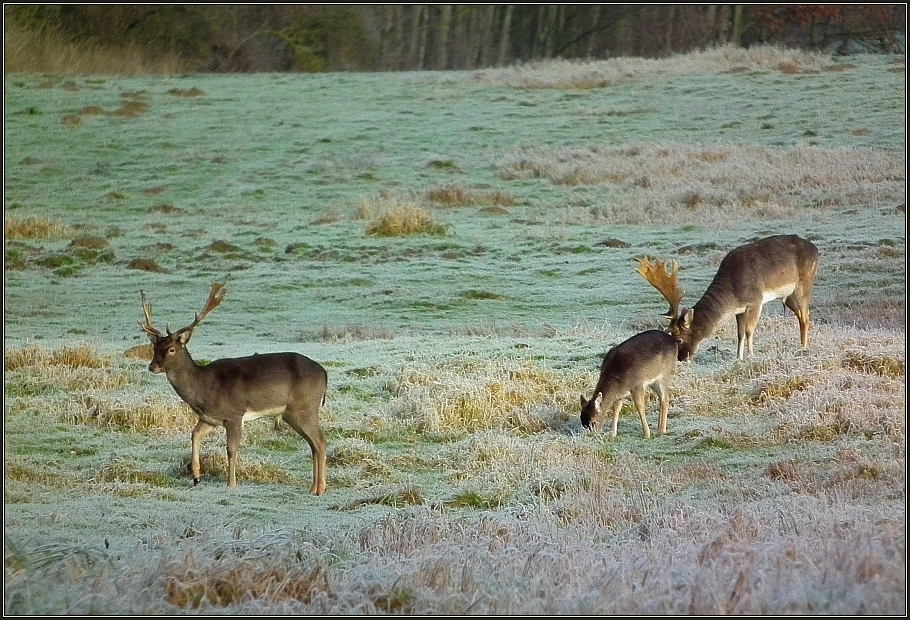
[[215, 297], [167, 345]]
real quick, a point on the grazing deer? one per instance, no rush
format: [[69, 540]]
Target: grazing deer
[[231, 391], [645, 360], [778, 267]]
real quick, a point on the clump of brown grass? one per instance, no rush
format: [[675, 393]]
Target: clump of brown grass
[[142, 352], [249, 469], [351, 451], [187, 92], [34, 228], [125, 470], [20, 472], [72, 357], [409, 220], [409, 495], [131, 109], [884, 365], [89, 242], [146, 264], [782, 388], [130, 416], [457, 196], [785, 470], [867, 416], [193, 584], [466, 396]]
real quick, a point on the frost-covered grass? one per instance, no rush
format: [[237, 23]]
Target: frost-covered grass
[[459, 477]]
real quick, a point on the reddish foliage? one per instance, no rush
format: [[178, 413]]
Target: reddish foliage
[[866, 20]]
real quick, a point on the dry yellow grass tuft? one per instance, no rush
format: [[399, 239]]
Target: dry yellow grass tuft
[[233, 580], [466, 396], [72, 357], [249, 469], [402, 221], [884, 365], [131, 109], [157, 413], [782, 388], [34, 228], [142, 352], [457, 196]]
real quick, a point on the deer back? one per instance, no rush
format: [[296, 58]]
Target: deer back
[[758, 272], [235, 386]]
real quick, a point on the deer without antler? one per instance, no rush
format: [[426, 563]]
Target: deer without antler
[[645, 360], [231, 391], [778, 267]]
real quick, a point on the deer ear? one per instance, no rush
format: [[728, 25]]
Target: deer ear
[[184, 337], [686, 317], [584, 401], [152, 338], [598, 399]]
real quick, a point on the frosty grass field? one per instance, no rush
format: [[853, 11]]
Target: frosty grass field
[[458, 250]]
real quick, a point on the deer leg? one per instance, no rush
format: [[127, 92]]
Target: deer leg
[[617, 405], [663, 394], [308, 428], [234, 431], [745, 329], [638, 397], [199, 431], [741, 335], [800, 308]]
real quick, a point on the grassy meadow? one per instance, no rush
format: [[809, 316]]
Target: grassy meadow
[[458, 250]]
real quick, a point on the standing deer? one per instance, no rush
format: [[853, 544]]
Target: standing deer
[[231, 391], [778, 267], [645, 360]]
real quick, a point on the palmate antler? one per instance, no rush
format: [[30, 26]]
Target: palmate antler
[[211, 303], [664, 280], [215, 297]]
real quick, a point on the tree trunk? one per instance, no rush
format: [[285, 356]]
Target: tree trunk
[[504, 37], [592, 31], [671, 21], [421, 34], [482, 53], [736, 35], [445, 21]]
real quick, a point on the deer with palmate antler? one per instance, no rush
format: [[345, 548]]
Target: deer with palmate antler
[[231, 391], [778, 267]]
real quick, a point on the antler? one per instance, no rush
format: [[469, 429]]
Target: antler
[[147, 326], [664, 280], [214, 299]]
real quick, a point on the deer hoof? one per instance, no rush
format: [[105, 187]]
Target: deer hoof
[[196, 481]]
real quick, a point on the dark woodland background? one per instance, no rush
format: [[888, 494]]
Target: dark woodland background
[[313, 38]]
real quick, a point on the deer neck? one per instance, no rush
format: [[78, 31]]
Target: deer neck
[[709, 311], [188, 380]]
